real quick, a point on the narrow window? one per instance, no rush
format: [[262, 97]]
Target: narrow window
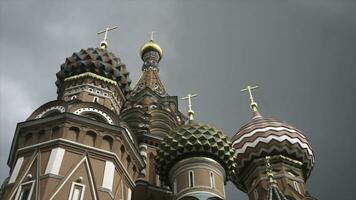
[[255, 194], [212, 180], [25, 191], [191, 179], [122, 190], [76, 191], [96, 100], [175, 186], [296, 186]]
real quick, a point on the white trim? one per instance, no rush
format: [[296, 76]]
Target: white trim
[[296, 187], [109, 174], [94, 110], [199, 192], [129, 133], [55, 161], [59, 108], [271, 137], [270, 128], [129, 193], [16, 170], [24, 175], [19, 191], [127, 175], [72, 191], [122, 189], [84, 159]]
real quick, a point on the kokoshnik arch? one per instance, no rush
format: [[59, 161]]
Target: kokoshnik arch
[[104, 139]]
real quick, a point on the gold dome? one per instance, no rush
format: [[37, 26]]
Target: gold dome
[[151, 45]]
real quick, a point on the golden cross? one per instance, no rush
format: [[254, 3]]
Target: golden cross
[[253, 103], [190, 110], [152, 36], [104, 43]]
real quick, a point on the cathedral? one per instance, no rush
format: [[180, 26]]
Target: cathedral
[[105, 138]]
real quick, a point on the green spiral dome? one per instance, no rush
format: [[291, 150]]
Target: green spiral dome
[[194, 140]]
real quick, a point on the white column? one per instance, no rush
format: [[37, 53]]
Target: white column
[[16, 170], [128, 194], [109, 173], [55, 161]]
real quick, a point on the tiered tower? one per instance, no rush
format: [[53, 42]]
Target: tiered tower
[[76, 147], [284, 148]]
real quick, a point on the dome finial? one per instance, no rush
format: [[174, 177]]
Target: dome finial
[[104, 43], [151, 46], [190, 110], [253, 103]]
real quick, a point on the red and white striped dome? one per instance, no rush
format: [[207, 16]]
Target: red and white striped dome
[[264, 136]]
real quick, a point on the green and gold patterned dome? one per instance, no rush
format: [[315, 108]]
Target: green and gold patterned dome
[[195, 140]]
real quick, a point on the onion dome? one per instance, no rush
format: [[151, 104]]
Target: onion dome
[[194, 140], [151, 46], [266, 137], [98, 61]]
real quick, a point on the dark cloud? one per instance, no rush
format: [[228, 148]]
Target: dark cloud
[[302, 54]]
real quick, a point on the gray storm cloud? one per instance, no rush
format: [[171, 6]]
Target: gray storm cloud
[[301, 53]]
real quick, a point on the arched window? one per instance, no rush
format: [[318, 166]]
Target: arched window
[[96, 100], [73, 134], [212, 179], [107, 143], [90, 138], [55, 132], [42, 136], [122, 151], [151, 169], [255, 194], [28, 139], [128, 159]]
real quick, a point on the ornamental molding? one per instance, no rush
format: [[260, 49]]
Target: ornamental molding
[[80, 111], [59, 108]]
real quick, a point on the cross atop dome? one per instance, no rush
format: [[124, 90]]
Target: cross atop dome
[[253, 103], [104, 43], [190, 110]]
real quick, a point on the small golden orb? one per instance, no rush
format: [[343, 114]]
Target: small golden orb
[[151, 46]]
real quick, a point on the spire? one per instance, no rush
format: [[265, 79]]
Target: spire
[[151, 53], [190, 110], [104, 42], [253, 103]]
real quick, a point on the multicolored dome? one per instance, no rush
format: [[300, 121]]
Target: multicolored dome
[[265, 136], [98, 61], [191, 140]]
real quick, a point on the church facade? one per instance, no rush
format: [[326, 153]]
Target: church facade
[[104, 138]]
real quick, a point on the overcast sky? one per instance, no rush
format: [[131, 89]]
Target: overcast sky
[[302, 54]]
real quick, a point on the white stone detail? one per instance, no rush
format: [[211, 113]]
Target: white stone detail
[[109, 173], [94, 110], [265, 130], [130, 135], [273, 137], [55, 161], [129, 192], [59, 108], [16, 170]]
